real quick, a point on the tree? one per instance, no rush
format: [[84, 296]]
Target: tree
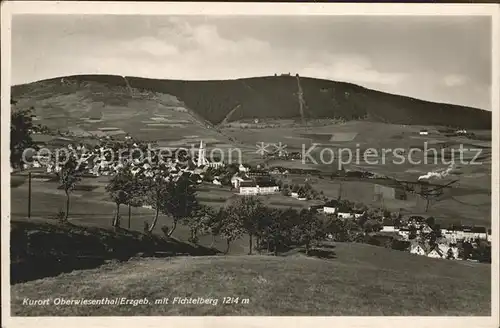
[[308, 229], [230, 227], [430, 221], [432, 238], [362, 219], [465, 250], [200, 220], [157, 192], [431, 196], [69, 176], [208, 176], [214, 223], [265, 218], [280, 229], [179, 200], [371, 225], [413, 232], [342, 230], [137, 195], [397, 218], [21, 127], [120, 189], [247, 210], [482, 252], [450, 255]]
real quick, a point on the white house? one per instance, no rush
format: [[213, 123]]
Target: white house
[[268, 189], [479, 233], [449, 235], [252, 188], [216, 182], [295, 194], [329, 209], [445, 249], [425, 228], [215, 164], [417, 249], [436, 253], [345, 215], [389, 228], [424, 132], [405, 233], [242, 168], [236, 180], [275, 171], [358, 214]]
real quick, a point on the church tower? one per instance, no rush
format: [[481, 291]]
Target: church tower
[[202, 160]]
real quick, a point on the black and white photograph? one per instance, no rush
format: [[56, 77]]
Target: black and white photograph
[[311, 162]]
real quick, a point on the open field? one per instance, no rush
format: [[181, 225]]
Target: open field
[[463, 205], [94, 211], [354, 281]]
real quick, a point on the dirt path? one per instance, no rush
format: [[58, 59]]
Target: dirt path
[[300, 96], [228, 116]]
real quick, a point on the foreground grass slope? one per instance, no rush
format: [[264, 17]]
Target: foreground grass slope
[[41, 247], [266, 97], [359, 280]]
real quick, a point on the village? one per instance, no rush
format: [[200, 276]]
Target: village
[[417, 234]]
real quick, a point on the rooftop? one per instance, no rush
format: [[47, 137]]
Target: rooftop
[[246, 184]]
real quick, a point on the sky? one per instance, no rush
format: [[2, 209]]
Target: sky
[[436, 58]]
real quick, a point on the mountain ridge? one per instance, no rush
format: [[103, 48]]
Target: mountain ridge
[[278, 97]]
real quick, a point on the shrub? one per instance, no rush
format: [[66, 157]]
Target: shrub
[[146, 227], [193, 239], [165, 229], [60, 216]]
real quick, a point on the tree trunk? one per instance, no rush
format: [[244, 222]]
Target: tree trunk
[[194, 234], [228, 243], [213, 241], [250, 243], [67, 205], [153, 225], [427, 205], [129, 215], [307, 248], [173, 228], [115, 221]]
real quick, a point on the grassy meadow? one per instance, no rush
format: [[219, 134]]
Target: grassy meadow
[[344, 279]]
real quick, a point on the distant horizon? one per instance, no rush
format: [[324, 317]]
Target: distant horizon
[[248, 77]]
